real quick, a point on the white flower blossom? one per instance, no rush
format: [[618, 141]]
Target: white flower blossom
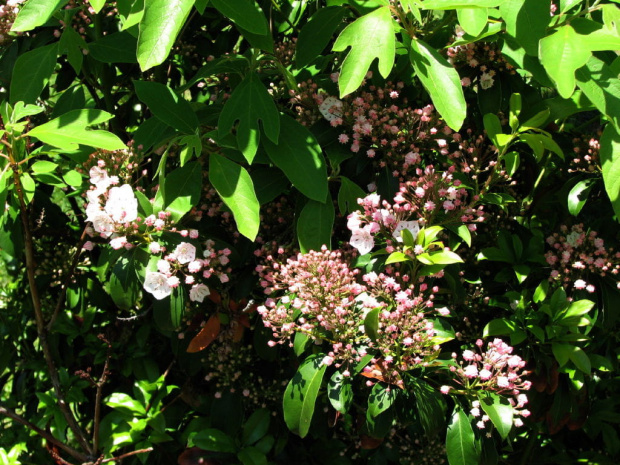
[[157, 284], [122, 205], [185, 253], [412, 226], [102, 223], [331, 108], [198, 292], [363, 241]]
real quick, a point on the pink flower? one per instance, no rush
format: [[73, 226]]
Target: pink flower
[[445, 389], [198, 292], [363, 241], [185, 253], [157, 284]]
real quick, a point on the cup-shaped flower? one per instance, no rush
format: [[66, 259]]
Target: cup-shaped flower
[[157, 284]]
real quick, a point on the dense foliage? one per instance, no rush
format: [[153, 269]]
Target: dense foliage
[[310, 232]]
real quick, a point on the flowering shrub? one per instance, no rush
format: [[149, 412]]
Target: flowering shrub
[[338, 232]]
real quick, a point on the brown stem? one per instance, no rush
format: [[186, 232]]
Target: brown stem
[[44, 434], [63, 290], [128, 454], [38, 313], [100, 383]]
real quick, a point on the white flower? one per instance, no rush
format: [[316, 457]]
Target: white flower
[[486, 81], [157, 284], [198, 292], [154, 247], [412, 226], [363, 241], [331, 108], [99, 177], [122, 205], [163, 266], [102, 223], [118, 242], [185, 253]]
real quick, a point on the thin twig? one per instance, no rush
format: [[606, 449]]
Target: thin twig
[[63, 290], [128, 454], [44, 434], [102, 380]]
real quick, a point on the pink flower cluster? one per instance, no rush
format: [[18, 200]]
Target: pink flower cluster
[[495, 370], [576, 255], [8, 13], [183, 262]]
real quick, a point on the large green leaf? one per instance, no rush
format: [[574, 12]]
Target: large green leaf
[[441, 81], [578, 195], [472, 20], [454, 4], [244, 13], [347, 196], [340, 392], [119, 47], [35, 13], [249, 103], [499, 411], [235, 187], [526, 21], [124, 285], [69, 130], [460, 440], [314, 227], [370, 37], [380, 414], [610, 161], [602, 87], [299, 155], [182, 189], [214, 440], [301, 392], [431, 407], [31, 73], [159, 28], [562, 53], [166, 105], [316, 34]]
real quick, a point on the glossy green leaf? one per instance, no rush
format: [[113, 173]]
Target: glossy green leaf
[[119, 47], [69, 130], [252, 456], [610, 162], [493, 127], [526, 21], [256, 426], [578, 195], [580, 359], [301, 393], [159, 28], [269, 183], [347, 196], [124, 286], [562, 53], [316, 34], [249, 103], [441, 81], [371, 323], [34, 13], [73, 178], [499, 411], [380, 414], [31, 73], [397, 257], [214, 440], [370, 37], [454, 4], [43, 166], [182, 189], [235, 187], [472, 20], [431, 407], [122, 401], [460, 440], [72, 45], [97, 5], [314, 226], [166, 105], [499, 327], [340, 392], [244, 13], [299, 155], [602, 88]]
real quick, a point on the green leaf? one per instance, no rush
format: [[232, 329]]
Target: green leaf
[[119, 47], [371, 323], [31, 73], [443, 257], [602, 87], [73, 178], [124, 285], [499, 411], [562, 53], [370, 37], [472, 20], [380, 414], [301, 341], [69, 130], [166, 105], [269, 183], [454, 4], [182, 189], [460, 440], [493, 127], [316, 34], [610, 162], [581, 360], [431, 407], [561, 352], [578, 195], [301, 392], [72, 44], [249, 103], [256, 426], [441, 81], [122, 401], [340, 392], [397, 257], [214, 440], [499, 327], [314, 226], [578, 308], [252, 456], [35, 13], [526, 21], [244, 13], [177, 306], [299, 155], [159, 28], [347, 196], [97, 5], [235, 187], [43, 166]]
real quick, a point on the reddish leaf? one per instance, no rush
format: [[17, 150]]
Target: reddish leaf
[[206, 335], [370, 443], [195, 456], [215, 297]]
